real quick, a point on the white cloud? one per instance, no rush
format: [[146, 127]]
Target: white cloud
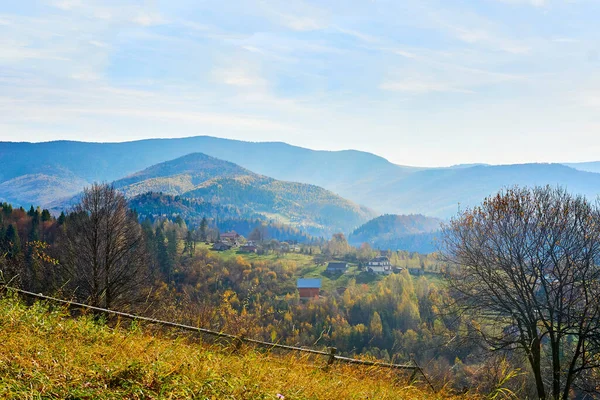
[[495, 41], [590, 99], [146, 19], [300, 23], [566, 40], [535, 3], [237, 76], [98, 43], [420, 87], [86, 76], [67, 4], [295, 15], [406, 54]]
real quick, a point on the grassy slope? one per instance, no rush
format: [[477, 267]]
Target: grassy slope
[[46, 354], [306, 268]]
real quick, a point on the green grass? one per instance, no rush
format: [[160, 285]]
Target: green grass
[[306, 267], [47, 354]]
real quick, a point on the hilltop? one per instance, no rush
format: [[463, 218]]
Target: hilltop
[[46, 353], [340, 171], [210, 180], [361, 177], [398, 232]]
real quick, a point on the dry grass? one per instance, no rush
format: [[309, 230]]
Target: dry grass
[[44, 353]]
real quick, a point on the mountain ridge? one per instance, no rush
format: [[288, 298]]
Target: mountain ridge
[[361, 177], [208, 179]]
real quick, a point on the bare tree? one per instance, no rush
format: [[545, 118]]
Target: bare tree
[[524, 266], [103, 249]]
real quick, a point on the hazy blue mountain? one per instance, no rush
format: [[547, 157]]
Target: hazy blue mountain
[[413, 232], [344, 172], [361, 177], [440, 192], [591, 166], [214, 181], [40, 188]]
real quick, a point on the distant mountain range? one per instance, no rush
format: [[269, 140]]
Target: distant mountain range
[[39, 173], [398, 232]]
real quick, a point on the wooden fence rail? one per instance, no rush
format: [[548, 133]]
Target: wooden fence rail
[[331, 353]]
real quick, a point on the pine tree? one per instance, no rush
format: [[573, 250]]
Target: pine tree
[[189, 244], [46, 215], [12, 236], [203, 226], [164, 262], [172, 245]]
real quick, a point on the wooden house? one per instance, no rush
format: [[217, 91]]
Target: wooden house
[[336, 267], [309, 288], [248, 248], [232, 236], [221, 246]]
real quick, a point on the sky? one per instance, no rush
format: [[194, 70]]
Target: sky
[[419, 82]]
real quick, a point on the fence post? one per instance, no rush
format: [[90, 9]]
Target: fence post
[[420, 370], [239, 340], [415, 369], [331, 359]]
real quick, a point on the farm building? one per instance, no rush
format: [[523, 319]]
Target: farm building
[[309, 288], [248, 248], [335, 267], [221, 246]]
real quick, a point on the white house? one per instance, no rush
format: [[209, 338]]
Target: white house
[[380, 265]]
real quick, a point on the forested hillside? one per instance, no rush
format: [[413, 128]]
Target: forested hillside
[[156, 207], [398, 232], [211, 181]]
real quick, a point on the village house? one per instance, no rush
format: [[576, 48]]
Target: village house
[[380, 265], [231, 237], [309, 288], [416, 271], [221, 246], [336, 267], [248, 248]]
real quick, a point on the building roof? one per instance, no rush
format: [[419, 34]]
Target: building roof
[[337, 265], [230, 234], [380, 259], [309, 283]]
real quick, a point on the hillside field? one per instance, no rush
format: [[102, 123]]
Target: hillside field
[[306, 267], [48, 354]]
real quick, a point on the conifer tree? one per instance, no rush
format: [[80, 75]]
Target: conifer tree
[[14, 242]]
